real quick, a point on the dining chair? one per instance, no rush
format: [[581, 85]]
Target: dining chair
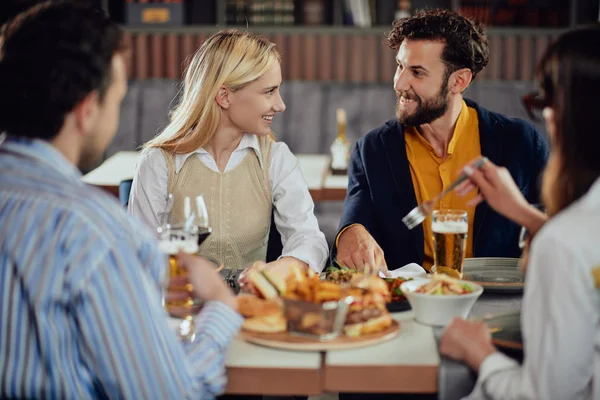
[[124, 190]]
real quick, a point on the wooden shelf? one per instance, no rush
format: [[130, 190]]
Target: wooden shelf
[[320, 29], [285, 29], [327, 53]]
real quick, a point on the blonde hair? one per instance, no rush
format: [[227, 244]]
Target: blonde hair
[[228, 58]]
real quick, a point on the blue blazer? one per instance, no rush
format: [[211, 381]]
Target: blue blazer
[[380, 188]]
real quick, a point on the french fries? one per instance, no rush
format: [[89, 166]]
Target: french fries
[[308, 287]]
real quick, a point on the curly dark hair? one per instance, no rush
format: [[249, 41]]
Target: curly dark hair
[[466, 41], [51, 57]]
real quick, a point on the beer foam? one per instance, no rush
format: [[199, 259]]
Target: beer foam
[[172, 247], [450, 227]]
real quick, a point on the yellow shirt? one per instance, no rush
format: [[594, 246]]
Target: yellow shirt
[[431, 174]]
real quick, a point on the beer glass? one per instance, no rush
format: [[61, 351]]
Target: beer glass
[[180, 300], [449, 241]]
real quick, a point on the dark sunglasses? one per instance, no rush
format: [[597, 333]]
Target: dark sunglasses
[[534, 102]]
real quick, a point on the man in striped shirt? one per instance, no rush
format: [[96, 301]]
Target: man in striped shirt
[[80, 308]]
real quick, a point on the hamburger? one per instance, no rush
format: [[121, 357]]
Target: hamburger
[[367, 313], [261, 315]]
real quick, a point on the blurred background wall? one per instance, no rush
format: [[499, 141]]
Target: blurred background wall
[[333, 56]]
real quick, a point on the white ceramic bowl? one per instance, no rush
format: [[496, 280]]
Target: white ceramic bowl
[[439, 310]]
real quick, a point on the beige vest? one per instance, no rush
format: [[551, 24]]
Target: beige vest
[[238, 202]]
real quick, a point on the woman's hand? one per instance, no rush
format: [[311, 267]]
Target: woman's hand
[[467, 341], [243, 280], [279, 267], [496, 186]]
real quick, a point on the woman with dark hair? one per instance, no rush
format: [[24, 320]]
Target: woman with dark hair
[[561, 308]]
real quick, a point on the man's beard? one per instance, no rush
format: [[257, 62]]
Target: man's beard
[[427, 111]]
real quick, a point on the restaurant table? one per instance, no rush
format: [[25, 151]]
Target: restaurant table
[[254, 369], [258, 370], [315, 168], [406, 364], [334, 186], [456, 379]]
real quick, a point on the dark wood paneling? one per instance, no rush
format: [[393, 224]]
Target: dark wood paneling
[[157, 56], [510, 58], [187, 50], [281, 45], [541, 43], [141, 56], [341, 57], [371, 58], [173, 57], [495, 65], [294, 58], [309, 62], [356, 59], [325, 70], [127, 38], [388, 65], [526, 57]]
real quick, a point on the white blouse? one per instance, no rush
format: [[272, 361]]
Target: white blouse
[[560, 317], [293, 205]]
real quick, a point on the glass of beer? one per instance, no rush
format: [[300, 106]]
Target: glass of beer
[[178, 297], [449, 241]]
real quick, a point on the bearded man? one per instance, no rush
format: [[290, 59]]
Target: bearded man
[[412, 158]]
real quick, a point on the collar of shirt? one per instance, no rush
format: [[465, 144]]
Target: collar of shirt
[[464, 125], [249, 141], [42, 152], [593, 194]]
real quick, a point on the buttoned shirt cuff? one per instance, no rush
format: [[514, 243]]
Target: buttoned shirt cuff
[[220, 322]]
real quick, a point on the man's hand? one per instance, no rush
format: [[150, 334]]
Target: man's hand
[[358, 250], [467, 341], [206, 281]]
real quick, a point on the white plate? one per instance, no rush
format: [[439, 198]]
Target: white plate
[[495, 274]]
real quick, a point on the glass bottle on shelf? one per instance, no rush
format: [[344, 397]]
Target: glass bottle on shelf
[[340, 148], [403, 10]]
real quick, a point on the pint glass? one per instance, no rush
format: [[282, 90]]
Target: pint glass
[[449, 241], [179, 299]]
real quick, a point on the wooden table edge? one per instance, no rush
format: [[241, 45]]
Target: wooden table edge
[[272, 381], [111, 189], [381, 379], [333, 194]]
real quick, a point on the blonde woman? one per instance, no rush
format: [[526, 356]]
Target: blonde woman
[[219, 144]]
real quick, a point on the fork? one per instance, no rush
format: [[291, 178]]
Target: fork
[[419, 213]]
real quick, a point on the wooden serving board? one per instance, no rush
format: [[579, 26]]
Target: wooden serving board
[[288, 341]]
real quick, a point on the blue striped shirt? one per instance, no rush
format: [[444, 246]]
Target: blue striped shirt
[[80, 312]]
